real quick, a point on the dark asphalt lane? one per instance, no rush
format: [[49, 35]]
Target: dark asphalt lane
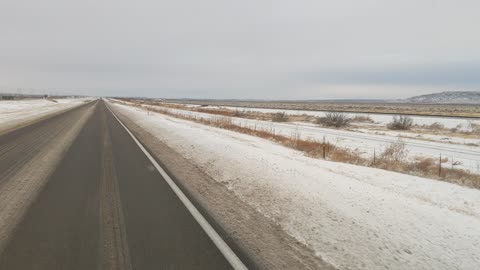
[[19, 146], [106, 207], [60, 230]]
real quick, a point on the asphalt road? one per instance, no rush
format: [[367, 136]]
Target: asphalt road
[[104, 206]]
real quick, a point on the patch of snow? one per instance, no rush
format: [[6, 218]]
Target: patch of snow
[[13, 112]]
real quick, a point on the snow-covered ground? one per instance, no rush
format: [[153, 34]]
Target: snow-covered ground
[[14, 112], [353, 217], [380, 119], [468, 156], [380, 123], [472, 141]]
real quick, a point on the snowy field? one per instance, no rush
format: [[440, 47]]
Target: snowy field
[[466, 156], [380, 123], [380, 119], [353, 217], [14, 112]]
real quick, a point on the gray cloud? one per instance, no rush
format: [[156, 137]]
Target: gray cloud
[[240, 49], [466, 74]]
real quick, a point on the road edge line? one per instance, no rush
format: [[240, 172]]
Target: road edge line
[[227, 252]]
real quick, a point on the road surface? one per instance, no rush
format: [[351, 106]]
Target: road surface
[[102, 205]]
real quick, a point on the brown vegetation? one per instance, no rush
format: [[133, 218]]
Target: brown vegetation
[[334, 119], [435, 126], [402, 122], [475, 127], [279, 117], [464, 110], [362, 119]]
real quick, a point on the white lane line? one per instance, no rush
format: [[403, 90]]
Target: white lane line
[[227, 252]]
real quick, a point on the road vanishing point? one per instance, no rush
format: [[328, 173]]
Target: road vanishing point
[[79, 191]]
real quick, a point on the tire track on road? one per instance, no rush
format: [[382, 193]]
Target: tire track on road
[[20, 188], [103, 207], [162, 233], [115, 254]]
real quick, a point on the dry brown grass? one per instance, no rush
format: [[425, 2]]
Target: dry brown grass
[[348, 156], [274, 117], [475, 127], [334, 119], [435, 126], [362, 119], [215, 111], [395, 152], [400, 122], [463, 110], [279, 117], [393, 158]]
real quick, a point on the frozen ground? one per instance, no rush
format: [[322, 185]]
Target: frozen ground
[[14, 112], [466, 156], [425, 136], [380, 123], [380, 119], [353, 217]]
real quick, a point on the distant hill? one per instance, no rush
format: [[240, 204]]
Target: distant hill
[[452, 97]]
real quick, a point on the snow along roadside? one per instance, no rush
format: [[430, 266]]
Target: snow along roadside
[[353, 217], [364, 144], [15, 113]]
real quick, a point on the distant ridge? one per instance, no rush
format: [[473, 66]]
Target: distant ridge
[[448, 97]]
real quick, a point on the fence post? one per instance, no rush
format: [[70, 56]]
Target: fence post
[[374, 156], [324, 148], [440, 166]]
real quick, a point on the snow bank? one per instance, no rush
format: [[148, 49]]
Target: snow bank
[[16, 111], [353, 217]]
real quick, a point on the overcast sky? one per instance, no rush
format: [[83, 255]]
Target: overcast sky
[[241, 49]]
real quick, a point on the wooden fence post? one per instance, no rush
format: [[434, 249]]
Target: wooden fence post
[[440, 166]]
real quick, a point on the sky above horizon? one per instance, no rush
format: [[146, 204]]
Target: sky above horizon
[[251, 49]]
